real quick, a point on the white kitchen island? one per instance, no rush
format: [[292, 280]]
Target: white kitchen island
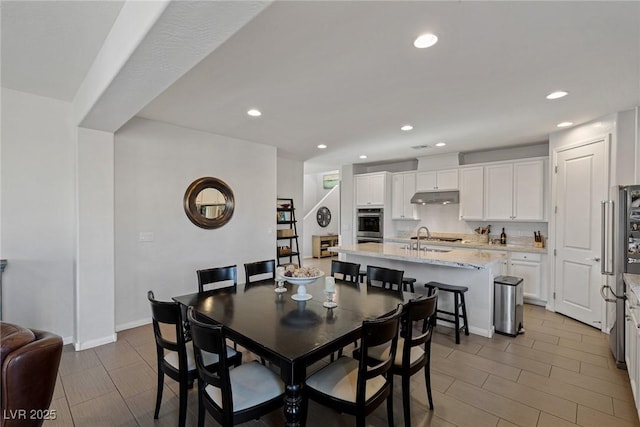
[[473, 268]]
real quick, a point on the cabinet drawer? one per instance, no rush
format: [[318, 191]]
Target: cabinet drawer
[[521, 256]]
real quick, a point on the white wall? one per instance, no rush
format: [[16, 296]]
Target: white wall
[[311, 227], [314, 190], [290, 186], [154, 165], [38, 217], [94, 294]]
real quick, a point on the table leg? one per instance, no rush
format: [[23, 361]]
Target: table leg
[[293, 405]]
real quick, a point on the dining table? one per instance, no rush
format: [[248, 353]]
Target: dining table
[[290, 334]]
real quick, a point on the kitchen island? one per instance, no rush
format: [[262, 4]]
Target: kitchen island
[[464, 267]]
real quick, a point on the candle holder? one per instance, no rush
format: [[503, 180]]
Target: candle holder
[[280, 280], [330, 303], [330, 290]]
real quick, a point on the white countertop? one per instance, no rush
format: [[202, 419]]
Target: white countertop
[[470, 245], [459, 258], [633, 281]]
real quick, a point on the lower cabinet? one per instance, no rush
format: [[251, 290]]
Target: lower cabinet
[[529, 267], [632, 347]]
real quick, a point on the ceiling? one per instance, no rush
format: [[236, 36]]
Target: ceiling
[[346, 74]]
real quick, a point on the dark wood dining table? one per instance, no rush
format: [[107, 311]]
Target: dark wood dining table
[[293, 334]]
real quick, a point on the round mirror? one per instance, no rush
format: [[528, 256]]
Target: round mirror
[[323, 216], [209, 202]]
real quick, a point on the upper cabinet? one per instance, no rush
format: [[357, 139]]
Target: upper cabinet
[[472, 193], [515, 191], [437, 180], [403, 187], [370, 189]]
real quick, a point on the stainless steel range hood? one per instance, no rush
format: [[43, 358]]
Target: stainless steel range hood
[[436, 198]]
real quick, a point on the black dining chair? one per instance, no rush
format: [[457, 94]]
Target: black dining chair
[[265, 269], [414, 349], [210, 276], [385, 278], [175, 353], [231, 396], [355, 386], [347, 271]]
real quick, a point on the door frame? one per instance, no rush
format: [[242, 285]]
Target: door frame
[[606, 139]]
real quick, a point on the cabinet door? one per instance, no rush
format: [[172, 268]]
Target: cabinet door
[[499, 192], [471, 193], [397, 195], [447, 179], [410, 211], [531, 273], [376, 187], [528, 190], [426, 181], [363, 193]]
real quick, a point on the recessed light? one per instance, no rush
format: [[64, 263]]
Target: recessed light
[[557, 94], [363, 157], [441, 144], [254, 113], [322, 146], [564, 124], [406, 128], [425, 40]]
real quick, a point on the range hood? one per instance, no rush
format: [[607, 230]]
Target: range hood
[[436, 198]]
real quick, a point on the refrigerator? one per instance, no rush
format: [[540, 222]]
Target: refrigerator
[[620, 254]]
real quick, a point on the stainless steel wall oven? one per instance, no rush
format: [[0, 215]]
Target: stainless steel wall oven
[[370, 223]]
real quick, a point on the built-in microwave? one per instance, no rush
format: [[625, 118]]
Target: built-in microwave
[[370, 223]]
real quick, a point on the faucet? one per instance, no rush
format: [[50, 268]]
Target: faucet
[[418, 236]]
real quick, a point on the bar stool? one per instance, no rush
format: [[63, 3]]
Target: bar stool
[[458, 303], [406, 281]]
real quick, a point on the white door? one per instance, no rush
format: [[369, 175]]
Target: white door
[[581, 185]]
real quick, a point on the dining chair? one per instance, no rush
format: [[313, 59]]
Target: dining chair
[[261, 268], [385, 278], [413, 351], [355, 386], [175, 353], [217, 275], [231, 396], [348, 271]]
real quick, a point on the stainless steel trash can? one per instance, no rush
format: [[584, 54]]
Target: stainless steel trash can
[[508, 303]]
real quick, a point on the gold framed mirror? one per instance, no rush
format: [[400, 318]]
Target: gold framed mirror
[[209, 202]]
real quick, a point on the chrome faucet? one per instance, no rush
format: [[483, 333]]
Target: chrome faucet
[[418, 236]]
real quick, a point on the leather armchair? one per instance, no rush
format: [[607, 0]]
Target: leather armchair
[[29, 360]]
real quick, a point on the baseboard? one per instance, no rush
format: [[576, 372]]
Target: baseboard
[[96, 343], [134, 324], [67, 340]]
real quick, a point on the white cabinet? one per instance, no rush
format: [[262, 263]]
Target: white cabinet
[[529, 267], [437, 180], [632, 345], [528, 191], [370, 189], [403, 187], [472, 193], [515, 191]]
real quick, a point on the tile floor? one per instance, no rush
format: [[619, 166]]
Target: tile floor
[[558, 373]]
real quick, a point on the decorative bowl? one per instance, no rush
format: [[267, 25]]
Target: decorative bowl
[[303, 280]]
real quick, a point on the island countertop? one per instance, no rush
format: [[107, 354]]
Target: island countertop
[[459, 258]]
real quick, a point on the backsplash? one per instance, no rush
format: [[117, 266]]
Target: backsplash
[[443, 220]]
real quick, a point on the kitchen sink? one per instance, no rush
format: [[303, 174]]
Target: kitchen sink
[[426, 249]]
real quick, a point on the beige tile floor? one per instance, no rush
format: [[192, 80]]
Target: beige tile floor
[[558, 373]]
